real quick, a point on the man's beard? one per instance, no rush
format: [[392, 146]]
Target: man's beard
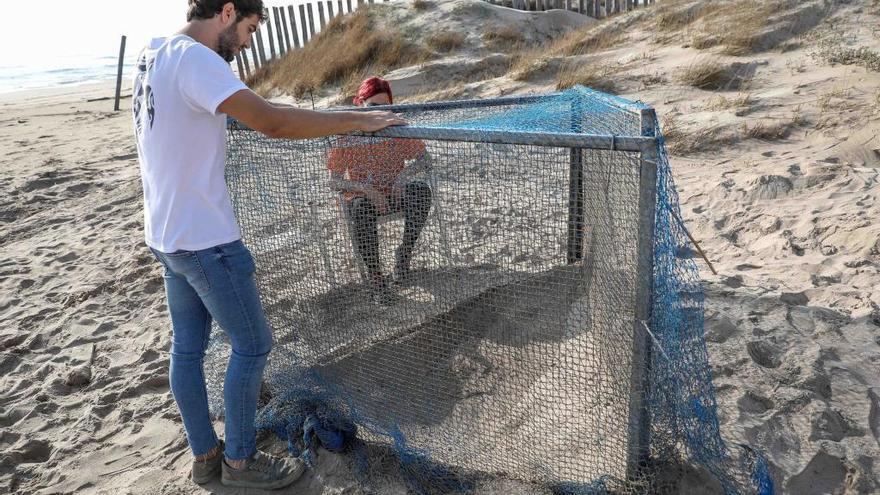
[[228, 44]]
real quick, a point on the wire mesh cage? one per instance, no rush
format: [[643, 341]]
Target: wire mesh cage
[[480, 293]]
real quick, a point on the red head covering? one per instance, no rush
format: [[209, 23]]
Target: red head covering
[[372, 87]]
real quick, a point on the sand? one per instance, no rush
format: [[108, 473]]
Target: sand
[[790, 224]]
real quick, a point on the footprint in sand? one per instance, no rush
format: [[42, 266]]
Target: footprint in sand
[[67, 258], [44, 183], [104, 328], [79, 188], [764, 353], [33, 451]]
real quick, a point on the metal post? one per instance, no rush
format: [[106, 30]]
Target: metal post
[[575, 191], [119, 74], [639, 419]]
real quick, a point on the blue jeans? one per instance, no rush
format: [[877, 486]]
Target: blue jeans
[[216, 284]]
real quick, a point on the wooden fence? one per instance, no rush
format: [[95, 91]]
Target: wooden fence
[[592, 8], [289, 28]]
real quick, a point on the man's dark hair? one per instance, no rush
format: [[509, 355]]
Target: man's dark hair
[[207, 9]]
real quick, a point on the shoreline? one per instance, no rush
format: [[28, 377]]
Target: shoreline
[[81, 93]]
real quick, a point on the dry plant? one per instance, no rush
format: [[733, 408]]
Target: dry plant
[[445, 41], [862, 56], [348, 45], [721, 102], [703, 41], [743, 26], [421, 4], [529, 64], [682, 141], [652, 79], [766, 131], [507, 37], [589, 39], [826, 101], [711, 74], [593, 76], [674, 16]]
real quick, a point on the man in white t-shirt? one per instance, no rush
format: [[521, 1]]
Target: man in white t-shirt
[[183, 90]]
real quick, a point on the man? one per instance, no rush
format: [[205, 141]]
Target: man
[[377, 178], [184, 88]]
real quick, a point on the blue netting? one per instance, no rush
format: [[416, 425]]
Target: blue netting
[[320, 409]]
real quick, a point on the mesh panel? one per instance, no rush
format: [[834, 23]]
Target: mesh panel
[[485, 319]]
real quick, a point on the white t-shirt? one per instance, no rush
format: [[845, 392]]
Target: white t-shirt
[[178, 85]]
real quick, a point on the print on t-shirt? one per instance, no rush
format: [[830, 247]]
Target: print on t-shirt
[[143, 93]]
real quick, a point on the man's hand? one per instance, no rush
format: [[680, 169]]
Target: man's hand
[[378, 120], [296, 123]]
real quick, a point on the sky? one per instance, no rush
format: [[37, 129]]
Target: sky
[[67, 29]]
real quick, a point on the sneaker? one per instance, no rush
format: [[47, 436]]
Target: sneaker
[[264, 472], [205, 471]]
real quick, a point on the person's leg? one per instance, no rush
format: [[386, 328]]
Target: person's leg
[[234, 302], [364, 230], [416, 207], [191, 326]]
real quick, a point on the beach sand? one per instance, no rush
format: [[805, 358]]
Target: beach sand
[[792, 319]]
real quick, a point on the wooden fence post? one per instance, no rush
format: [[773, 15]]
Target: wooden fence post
[[119, 74], [303, 24], [279, 32], [254, 53], [271, 32], [241, 74], [247, 65], [261, 48], [321, 15], [286, 31], [311, 21], [293, 34]]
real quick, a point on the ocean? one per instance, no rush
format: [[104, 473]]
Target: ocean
[[49, 61], [66, 71]]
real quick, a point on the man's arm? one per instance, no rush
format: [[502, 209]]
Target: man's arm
[[295, 123]]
